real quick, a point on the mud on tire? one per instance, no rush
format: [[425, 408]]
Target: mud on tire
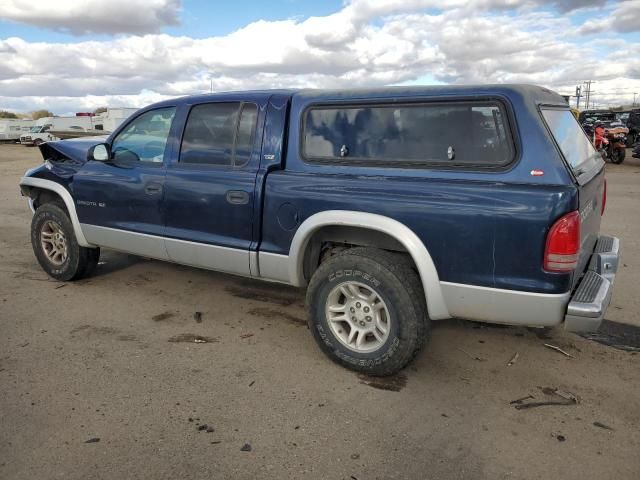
[[397, 286]]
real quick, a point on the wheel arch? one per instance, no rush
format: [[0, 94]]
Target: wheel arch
[[436, 305], [30, 184]]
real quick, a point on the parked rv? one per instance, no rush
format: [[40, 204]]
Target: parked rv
[[82, 125], [112, 118], [41, 130], [12, 128]]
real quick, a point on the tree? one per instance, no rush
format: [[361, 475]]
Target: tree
[[5, 114], [41, 114], [100, 110]]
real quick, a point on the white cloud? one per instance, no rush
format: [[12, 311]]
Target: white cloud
[[80, 17], [363, 44], [624, 18]]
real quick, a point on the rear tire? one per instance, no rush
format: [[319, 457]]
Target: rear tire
[[56, 247], [618, 155], [367, 310]]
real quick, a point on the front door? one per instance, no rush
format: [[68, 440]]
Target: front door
[[119, 201], [209, 191]]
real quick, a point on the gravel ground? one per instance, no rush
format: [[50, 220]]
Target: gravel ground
[[117, 377]]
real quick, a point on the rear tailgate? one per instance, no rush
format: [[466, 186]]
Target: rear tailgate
[[587, 167], [591, 199]]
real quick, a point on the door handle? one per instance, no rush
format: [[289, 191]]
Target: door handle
[[153, 189], [237, 197]]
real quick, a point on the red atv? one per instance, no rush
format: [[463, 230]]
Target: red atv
[[610, 142]]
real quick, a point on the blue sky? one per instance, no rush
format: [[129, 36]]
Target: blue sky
[[199, 19], [72, 55], [225, 17]]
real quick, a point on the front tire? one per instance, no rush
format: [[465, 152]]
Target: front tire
[[367, 310], [56, 248]]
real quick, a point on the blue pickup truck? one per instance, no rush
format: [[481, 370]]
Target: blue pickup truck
[[394, 207]]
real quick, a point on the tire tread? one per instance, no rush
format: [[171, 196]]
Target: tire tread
[[400, 267]]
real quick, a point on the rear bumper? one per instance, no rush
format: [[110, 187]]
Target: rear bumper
[[590, 300]]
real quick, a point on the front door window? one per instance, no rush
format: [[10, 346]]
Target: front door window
[[145, 138]]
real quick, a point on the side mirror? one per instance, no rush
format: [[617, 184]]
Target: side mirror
[[99, 153]]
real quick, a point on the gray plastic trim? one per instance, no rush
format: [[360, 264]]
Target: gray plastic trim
[[254, 268], [274, 266], [68, 201], [428, 274], [125, 241], [510, 307], [211, 257], [184, 252]]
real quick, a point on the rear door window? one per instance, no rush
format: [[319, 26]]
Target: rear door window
[[219, 134], [246, 133], [473, 134], [575, 146]]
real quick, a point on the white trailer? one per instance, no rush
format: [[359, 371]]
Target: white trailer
[[12, 128], [39, 131], [112, 118]]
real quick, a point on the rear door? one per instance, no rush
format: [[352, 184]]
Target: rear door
[[210, 188], [587, 167]]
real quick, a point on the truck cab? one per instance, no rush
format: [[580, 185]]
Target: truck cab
[[393, 207]]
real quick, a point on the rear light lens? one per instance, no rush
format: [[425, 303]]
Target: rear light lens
[[563, 244], [604, 197]]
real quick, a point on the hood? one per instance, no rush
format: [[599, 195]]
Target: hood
[[74, 150]]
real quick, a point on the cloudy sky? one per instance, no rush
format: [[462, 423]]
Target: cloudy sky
[[72, 55]]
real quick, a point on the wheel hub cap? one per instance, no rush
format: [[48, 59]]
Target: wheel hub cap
[[358, 317], [53, 242]]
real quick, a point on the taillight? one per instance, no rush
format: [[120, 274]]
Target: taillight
[[604, 197], [563, 244]]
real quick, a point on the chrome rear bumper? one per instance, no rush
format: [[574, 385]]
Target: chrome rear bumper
[[590, 300]]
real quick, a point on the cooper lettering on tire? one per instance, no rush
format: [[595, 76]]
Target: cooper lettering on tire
[[367, 310]]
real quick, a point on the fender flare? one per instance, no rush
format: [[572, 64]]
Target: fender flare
[[436, 304], [66, 197]]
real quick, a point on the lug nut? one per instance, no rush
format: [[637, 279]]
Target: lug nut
[[366, 309], [353, 319], [368, 319], [352, 310], [358, 304], [361, 323]]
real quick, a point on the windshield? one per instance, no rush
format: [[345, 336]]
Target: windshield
[[600, 118], [623, 117], [35, 129], [574, 144]]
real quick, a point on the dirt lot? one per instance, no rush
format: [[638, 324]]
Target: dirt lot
[[113, 358]]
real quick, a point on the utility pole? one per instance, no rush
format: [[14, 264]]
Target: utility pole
[[578, 95], [588, 93]]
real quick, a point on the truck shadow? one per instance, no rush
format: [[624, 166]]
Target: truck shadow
[[613, 334], [111, 261]]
